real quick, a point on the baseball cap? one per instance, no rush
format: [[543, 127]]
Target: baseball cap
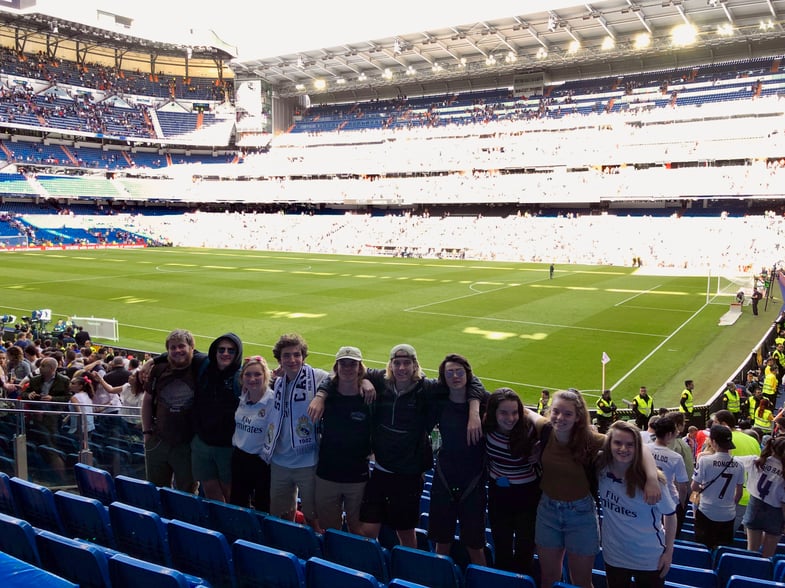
[[349, 353], [722, 436], [403, 350]]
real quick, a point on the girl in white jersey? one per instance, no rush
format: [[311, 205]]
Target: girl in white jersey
[[764, 519], [250, 473], [627, 518]]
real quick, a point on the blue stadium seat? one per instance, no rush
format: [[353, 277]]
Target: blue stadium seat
[[140, 493], [128, 572], [201, 552], [481, 577], [140, 533], [15, 573], [95, 483], [401, 583], [183, 506], [7, 504], [696, 577], [721, 549], [695, 557], [235, 522], [17, 538], [320, 573], [260, 566], [431, 569], [739, 581], [733, 564], [36, 504], [85, 518], [358, 552], [73, 560], [598, 578], [301, 540]]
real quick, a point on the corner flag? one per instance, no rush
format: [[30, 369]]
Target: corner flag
[[605, 358]]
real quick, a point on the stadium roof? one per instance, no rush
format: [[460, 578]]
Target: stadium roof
[[560, 44]]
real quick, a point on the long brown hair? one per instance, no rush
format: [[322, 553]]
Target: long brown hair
[[635, 476], [581, 436], [523, 436]]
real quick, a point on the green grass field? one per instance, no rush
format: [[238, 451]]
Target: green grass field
[[517, 327]]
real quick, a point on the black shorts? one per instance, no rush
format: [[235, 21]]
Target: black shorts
[[447, 510], [392, 499]]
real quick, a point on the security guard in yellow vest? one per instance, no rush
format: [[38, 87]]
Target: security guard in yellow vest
[[643, 408], [606, 411], [731, 400], [686, 402], [544, 403], [763, 418]]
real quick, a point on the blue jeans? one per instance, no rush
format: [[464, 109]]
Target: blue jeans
[[572, 526]]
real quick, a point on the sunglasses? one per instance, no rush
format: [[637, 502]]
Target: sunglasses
[[229, 350]]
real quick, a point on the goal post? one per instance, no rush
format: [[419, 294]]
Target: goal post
[[99, 328]]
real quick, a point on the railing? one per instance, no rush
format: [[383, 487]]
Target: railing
[[41, 441]]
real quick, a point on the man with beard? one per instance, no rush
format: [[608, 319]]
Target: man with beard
[[167, 412]]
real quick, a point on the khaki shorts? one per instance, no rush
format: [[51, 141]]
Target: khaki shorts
[[286, 484]]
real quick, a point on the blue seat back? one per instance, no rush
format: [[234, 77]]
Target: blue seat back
[[732, 564], [17, 538], [235, 522], [696, 577], [201, 552], [183, 506], [15, 573], [320, 573], [740, 581], [358, 552], [7, 505], [140, 533], [128, 572], [480, 577], [400, 583], [260, 566], [36, 504], [85, 518], [695, 557], [140, 493], [74, 560], [301, 540], [95, 483], [431, 569]]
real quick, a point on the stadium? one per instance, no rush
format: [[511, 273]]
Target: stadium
[[412, 188]]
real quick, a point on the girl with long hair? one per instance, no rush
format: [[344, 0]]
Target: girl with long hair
[[763, 519], [514, 481], [250, 473], [627, 518], [82, 393], [567, 521]]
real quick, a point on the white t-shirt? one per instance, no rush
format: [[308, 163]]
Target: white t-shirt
[[765, 484], [251, 423], [632, 534], [717, 499], [671, 464]]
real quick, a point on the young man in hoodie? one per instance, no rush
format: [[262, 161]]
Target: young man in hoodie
[[215, 402]]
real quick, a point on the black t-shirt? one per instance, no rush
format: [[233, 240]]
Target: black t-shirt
[[346, 439]]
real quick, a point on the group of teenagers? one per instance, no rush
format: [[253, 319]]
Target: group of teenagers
[[351, 447]]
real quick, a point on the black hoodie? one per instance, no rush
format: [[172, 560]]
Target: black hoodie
[[217, 396]]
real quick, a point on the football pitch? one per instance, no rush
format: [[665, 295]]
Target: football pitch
[[517, 327]]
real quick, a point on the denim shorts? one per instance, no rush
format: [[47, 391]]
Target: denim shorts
[[760, 516], [572, 526]]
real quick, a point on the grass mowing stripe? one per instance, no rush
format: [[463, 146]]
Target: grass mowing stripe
[[515, 325]]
